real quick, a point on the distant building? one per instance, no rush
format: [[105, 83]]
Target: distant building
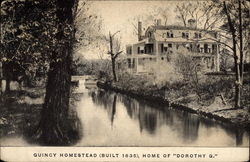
[[159, 42]]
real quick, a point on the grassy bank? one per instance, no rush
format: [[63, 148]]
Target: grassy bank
[[20, 110], [213, 97]]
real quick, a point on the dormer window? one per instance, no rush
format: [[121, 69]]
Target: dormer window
[[185, 35], [197, 35], [170, 34]]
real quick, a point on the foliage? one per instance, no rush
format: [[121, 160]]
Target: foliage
[[87, 27], [27, 36], [90, 67]]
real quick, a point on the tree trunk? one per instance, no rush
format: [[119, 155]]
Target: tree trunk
[[236, 64], [241, 66], [237, 95], [1, 88], [7, 70], [54, 127], [241, 43], [1, 76], [113, 69], [55, 108], [7, 86]]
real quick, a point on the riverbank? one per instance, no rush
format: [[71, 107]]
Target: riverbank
[[20, 110], [216, 109]]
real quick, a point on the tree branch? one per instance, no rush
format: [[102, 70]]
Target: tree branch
[[117, 54]]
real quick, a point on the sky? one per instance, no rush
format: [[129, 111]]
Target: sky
[[121, 15]]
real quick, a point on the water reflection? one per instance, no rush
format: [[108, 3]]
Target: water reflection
[[156, 125], [113, 110], [239, 137], [191, 126]]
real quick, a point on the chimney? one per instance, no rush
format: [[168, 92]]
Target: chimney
[[192, 23], [139, 30], [158, 22]]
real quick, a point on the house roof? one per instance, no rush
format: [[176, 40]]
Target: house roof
[[176, 27]]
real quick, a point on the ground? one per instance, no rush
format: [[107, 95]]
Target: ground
[[19, 110]]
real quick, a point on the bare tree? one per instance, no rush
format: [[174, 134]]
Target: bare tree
[[205, 14], [182, 10], [238, 69], [235, 23], [114, 51]]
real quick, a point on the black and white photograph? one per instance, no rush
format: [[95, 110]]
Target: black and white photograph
[[124, 74]]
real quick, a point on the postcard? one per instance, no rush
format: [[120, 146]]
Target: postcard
[[124, 80]]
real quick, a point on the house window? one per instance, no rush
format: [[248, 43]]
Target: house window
[[214, 48], [162, 58], [129, 50], [209, 50], [162, 48], [198, 48], [191, 47], [129, 63], [196, 35], [205, 48], [168, 35], [133, 64], [185, 35], [172, 35], [170, 45], [140, 49]]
